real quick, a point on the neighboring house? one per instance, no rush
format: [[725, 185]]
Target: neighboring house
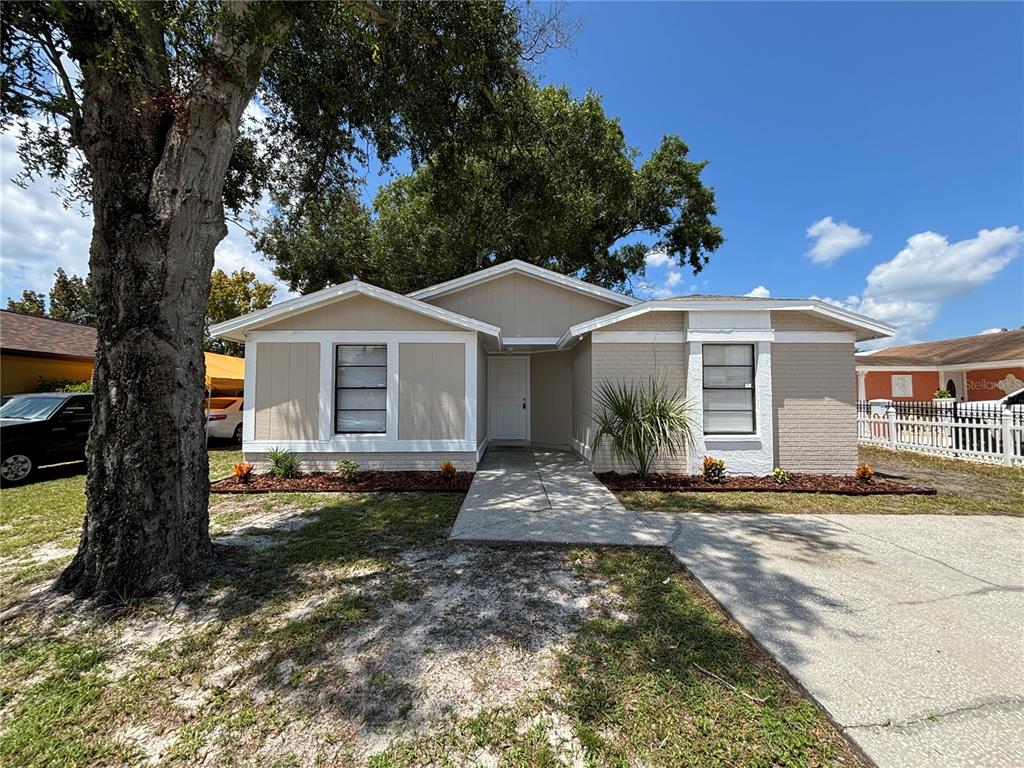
[[38, 349], [514, 354], [984, 367]]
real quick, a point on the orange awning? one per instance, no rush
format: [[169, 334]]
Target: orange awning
[[224, 371]]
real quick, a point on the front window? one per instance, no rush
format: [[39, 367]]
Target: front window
[[31, 408], [729, 389], [360, 389]]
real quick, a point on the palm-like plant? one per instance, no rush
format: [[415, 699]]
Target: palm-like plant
[[642, 420]]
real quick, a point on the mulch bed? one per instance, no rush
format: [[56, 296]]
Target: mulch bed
[[836, 484], [363, 482]]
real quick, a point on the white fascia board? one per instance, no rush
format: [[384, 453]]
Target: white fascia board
[[874, 329], [235, 329], [515, 265]]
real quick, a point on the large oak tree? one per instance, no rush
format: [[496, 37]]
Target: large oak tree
[[552, 181], [139, 108]]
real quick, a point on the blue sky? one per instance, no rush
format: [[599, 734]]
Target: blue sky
[[894, 131]]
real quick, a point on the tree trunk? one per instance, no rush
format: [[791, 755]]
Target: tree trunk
[[158, 162]]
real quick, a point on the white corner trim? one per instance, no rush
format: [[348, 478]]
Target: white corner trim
[[516, 265], [482, 449], [249, 392], [638, 337], [815, 337], [234, 329]]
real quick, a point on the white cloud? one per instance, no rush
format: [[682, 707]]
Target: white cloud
[[832, 240], [38, 234], [657, 259], [673, 278], [909, 290], [759, 293], [991, 330]]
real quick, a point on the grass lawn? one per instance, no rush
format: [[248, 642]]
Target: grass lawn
[[964, 488], [347, 630], [40, 523]]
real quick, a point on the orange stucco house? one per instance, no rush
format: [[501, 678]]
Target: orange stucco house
[[984, 367]]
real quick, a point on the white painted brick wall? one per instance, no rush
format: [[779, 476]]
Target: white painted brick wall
[[383, 462]]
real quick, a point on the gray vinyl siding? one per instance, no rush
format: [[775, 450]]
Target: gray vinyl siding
[[551, 399], [287, 393]]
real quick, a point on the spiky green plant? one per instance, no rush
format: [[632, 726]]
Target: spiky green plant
[[284, 464], [641, 420]]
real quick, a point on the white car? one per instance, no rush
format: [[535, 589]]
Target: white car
[[224, 418]]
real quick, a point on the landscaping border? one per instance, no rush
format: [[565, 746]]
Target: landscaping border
[[362, 482], [835, 485]]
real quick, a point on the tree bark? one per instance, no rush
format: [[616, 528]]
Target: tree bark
[[158, 160]]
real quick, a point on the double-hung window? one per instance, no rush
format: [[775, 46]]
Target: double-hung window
[[729, 389], [360, 389]]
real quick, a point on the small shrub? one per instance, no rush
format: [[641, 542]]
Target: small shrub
[[865, 473], [242, 471], [714, 469], [780, 476], [941, 394], [346, 469], [448, 471], [284, 464], [63, 385]]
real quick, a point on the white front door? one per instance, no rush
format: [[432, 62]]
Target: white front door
[[508, 390]]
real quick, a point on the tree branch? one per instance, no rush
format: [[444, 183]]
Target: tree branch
[[69, 91]]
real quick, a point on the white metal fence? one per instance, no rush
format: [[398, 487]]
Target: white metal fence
[[957, 430]]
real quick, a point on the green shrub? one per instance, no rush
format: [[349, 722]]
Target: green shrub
[[641, 421], [780, 475], [346, 469], [941, 394], [714, 469], [63, 385], [284, 463]]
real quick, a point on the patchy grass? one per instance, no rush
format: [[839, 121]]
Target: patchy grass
[[347, 630], [223, 456], [41, 522], [964, 488]]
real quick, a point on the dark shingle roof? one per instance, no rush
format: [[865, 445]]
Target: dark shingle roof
[[984, 348], [42, 336]]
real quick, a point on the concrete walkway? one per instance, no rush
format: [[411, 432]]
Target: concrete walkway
[[519, 494], [905, 628]]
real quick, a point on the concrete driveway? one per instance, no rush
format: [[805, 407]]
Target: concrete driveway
[[907, 629]]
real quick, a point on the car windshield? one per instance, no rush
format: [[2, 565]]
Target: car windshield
[[219, 403], [30, 408]]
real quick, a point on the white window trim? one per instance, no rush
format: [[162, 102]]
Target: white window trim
[[387, 442], [747, 454]]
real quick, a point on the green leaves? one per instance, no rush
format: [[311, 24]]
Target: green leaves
[[641, 421], [230, 296]]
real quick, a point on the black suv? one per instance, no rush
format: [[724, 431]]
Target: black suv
[[42, 428]]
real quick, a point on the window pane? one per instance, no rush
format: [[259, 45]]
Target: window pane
[[728, 399], [362, 377], [360, 421], [728, 354], [728, 422], [352, 354], [361, 399], [728, 376]]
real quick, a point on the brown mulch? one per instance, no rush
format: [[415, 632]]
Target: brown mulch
[[363, 482], [798, 483]]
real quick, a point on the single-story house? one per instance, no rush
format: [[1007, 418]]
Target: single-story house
[[35, 349], [984, 367], [514, 354]]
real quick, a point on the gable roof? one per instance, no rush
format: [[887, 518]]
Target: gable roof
[[984, 348], [865, 327], [523, 268], [235, 328], [44, 336]]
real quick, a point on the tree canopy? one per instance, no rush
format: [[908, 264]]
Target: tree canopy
[[30, 303], [551, 181], [230, 296]]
